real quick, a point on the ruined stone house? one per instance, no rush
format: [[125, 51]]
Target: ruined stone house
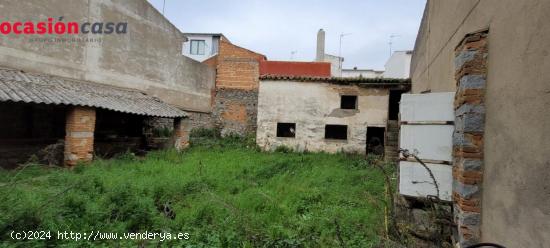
[[95, 91], [492, 58], [327, 114], [310, 106]]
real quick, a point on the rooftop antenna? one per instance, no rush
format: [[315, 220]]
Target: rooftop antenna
[[391, 41], [163, 4], [292, 53], [340, 52]]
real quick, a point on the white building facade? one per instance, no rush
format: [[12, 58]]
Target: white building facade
[[361, 73], [201, 46], [398, 65]]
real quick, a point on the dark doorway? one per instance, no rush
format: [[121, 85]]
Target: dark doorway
[[336, 132], [395, 98], [375, 140]]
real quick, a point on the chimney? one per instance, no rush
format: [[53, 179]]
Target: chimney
[[320, 46]]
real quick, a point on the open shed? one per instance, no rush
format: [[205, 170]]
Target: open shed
[[41, 113]]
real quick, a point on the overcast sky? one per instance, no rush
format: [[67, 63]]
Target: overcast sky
[[275, 28]]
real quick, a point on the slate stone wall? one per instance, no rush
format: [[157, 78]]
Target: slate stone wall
[[470, 75], [235, 111]]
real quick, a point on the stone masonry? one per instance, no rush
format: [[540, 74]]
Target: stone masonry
[[200, 120], [79, 135], [237, 82], [236, 111], [471, 71]]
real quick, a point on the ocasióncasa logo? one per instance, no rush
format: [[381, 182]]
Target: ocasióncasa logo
[[53, 26]]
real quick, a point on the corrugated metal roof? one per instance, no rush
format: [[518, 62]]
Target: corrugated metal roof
[[19, 86]]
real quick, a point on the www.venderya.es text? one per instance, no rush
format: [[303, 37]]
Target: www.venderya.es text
[[97, 235]]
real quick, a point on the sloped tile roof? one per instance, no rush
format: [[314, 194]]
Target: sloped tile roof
[[19, 86], [359, 81], [295, 68]]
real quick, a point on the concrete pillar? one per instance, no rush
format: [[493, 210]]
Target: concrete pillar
[[320, 56], [79, 135], [181, 133]]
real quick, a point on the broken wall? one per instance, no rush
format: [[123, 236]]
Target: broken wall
[[312, 105]]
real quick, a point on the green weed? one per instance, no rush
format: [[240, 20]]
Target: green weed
[[222, 191]]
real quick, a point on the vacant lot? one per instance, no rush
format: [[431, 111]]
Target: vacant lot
[[224, 193]]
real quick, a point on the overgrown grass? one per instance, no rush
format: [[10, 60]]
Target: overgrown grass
[[223, 192]]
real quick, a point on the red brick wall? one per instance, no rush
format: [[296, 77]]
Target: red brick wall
[[212, 61], [237, 68], [289, 68], [79, 135]]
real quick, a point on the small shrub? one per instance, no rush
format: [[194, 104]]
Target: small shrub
[[283, 149], [212, 133], [126, 157], [205, 137]]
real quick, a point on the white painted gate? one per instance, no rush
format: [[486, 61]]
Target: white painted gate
[[426, 122]]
